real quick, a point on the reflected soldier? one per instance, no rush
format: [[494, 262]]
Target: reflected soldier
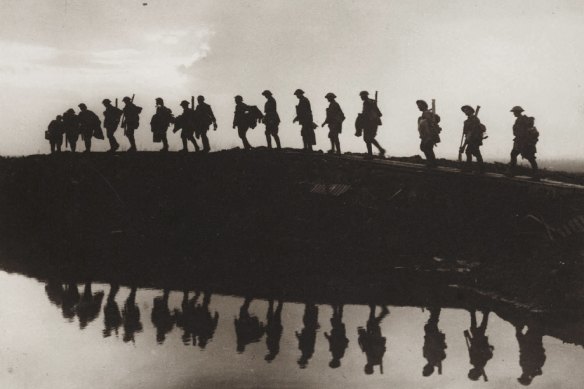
[[70, 299], [429, 132], [112, 318], [55, 134], [248, 328], [131, 317], [479, 349], [89, 306], [187, 122], [205, 323], [271, 119], [305, 119], [434, 344], [371, 341], [161, 317], [241, 121], [273, 330], [130, 121], [307, 336], [160, 122], [473, 132], [338, 341], [185, 319], [526, 137], [334, 118], [71, 128], [111, 120], [368, 121], [205, 118], [54, 290], [89, 124], [531, 353]]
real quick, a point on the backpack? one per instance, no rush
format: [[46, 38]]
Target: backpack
[[532, 134], [253, 116]]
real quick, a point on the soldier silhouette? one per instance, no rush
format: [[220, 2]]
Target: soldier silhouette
[[429, 131], [71, 128], [160, 122], [187, 122], [89, 306], [130, 121], [479, 349], [248, 328], [185, 319], [205, 118], [334, 118], [89, 124], [55, 134], [338, 341], [70, 300], [131, 317], [273, 330], [371, 341], [434, 344], [111, 120], [205, 322], [369, 121], [524, 143], [305, 119], [54, 290], [307, 336], [240, 120], [112, 318], [271, 119], [473, 132], [531, 353], [161, 317]]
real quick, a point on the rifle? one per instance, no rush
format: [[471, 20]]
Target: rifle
[[463, 139], [192, 102]]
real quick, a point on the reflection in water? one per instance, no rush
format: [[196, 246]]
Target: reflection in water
[[70, 300], [479, 349], [434, 344], [131, 317], [196, 320], [531, 353], [248, 328], [274, 330], [89, 306], [338, 341], [206, 323], [161, 317], [112, 318], [371, 341], [307, 336]]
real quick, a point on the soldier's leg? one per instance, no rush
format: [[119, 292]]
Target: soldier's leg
[[205, 141], [73, 144], [53, 146], [185, 143], [369, 148], [87, 141], [269, 139], [194, 142], [164, 141], [130, 136], [514, 155], [376, 144], [479, 158], [533, 163], [277, 139]]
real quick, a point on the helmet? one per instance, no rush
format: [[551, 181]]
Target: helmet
[[266, 93], [126, 99], [184, 103], [468, 108], [364, 93], [200, 98], [330, 95], [106, 101], [422, 103], [159, 100], [238, 98], [517, 109], [82, 106], [298, 92]]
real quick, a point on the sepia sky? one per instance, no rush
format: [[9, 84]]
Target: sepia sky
[[56, 54]]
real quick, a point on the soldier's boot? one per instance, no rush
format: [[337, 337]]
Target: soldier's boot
[[381, 149], [332, 150], [132, 143], [246, 144], [87, 146], [164, 144], [206, 147], [269, 140], [369, 150], [338, 144], [535, 170], [185, 148], [277, 138]]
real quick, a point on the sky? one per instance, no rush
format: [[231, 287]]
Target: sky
[[56, 54]]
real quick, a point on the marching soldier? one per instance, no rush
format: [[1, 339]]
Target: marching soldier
[[334, 119], [71, 128], [89, 124], [111, 120], [371, 341], [187, 121], [240, 120], [160, 122], [369, 120], [305, 119], [434, 348], [429, 132], [473, 132], [205, 118], [526, 137], [271, 119], [55, 134], [131, 121], [479, 349]]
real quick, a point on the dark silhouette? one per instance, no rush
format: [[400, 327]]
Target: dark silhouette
[[185, 319], [479, 349], [130, 121], [241, 120], [54, 134], [160, 122], [271, 119], [526, 137], [89, 306], [112, 318], [273, 330], [434, 344], [205, 118], [338, 341], [473, 132], [531, 353], [307, 336], [54, 290], [371, 341], [70, 299], [367, 122], [248, 328], [187, 122], [89, 125], [161, 317], [429, 132], [334, 118], [305, 119], [131, 317], [71, 128], [205, 322], [111, 120]]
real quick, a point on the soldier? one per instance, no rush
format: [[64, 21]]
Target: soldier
[[338, 341], [334, 119], [248, 328], [240, 120], [111, 120], [304, 118], [307, 336], [531, 353], [205, 118], [89, 306], [131, 121], [369, 120], [273, 330], [271, 119], [55, 134], [89, 124], [434, 344], [71, 128], [131, 317], [473, 132], [479, 349], [162, 319], [112, 318], [160, 122], [187, 121], [371, 341], [526, 137], [429, 132]]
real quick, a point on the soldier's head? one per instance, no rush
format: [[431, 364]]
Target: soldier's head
[[468, 110], [368, 369], [364, 95], [330, 96], [70, 111], [422, 105], [428, 370], [200, 99], [517, 110], [475, 373], [525, 379], [106, 102], [127, 100], [159, 101], [59, 117], [299, 93], [334, 363], [238, 99], [82, 107], [266, 93], [184, 104]]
